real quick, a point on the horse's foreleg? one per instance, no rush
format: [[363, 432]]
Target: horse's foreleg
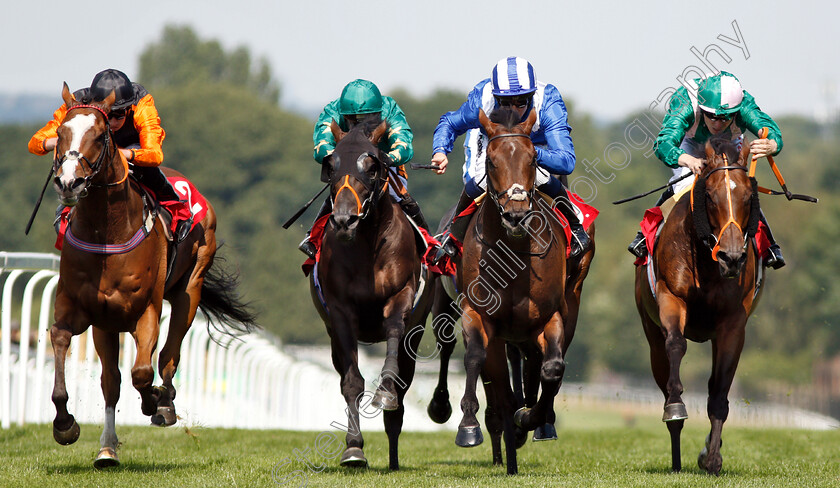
[[65, 429], [108, 348], [551, 374], [443, 325], [501, 400], [726, 350], [396, 312], [142, 373], [672, 316], [475, 343], [344, 348]]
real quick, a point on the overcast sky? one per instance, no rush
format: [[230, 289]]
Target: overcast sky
[[608, 57]]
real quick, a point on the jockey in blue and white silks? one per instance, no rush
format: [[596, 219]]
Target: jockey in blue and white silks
[[513, 84]]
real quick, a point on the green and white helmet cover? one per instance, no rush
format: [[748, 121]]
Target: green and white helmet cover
[[360, 97], [720, 94]]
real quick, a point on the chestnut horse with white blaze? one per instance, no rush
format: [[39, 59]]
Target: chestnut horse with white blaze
[[117, 280], [704, 277]]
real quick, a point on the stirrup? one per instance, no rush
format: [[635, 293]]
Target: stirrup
[[446, 248], [580, 240], [775, 259], [183, 229], [638, 247], [307, 248]]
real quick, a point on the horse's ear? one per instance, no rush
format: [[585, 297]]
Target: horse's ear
[[744, 158], [68, 97], [108, 102], [530, 121], [377, 133], [489, 127], [337, 133], [710, 152]]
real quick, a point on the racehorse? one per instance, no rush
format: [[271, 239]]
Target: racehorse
[[118, 279], [443, 325], [705, 268], [368, 274], [519, 299]]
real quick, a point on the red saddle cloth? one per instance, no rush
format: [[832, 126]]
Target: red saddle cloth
[[590, 213], [653, 219], [192, 204], [316, 237]]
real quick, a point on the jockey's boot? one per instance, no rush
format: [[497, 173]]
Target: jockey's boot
[[412, 210], [638, 247], [307, 247], [580, 239], [456, 228], [155, 180], [57, 222], [775, 259]]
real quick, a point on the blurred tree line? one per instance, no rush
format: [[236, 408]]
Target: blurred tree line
[[253, 160]]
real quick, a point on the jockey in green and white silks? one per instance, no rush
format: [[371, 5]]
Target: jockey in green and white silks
[[721, 108], [359, 100]]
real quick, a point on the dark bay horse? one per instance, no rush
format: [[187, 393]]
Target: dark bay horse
[[123, 291], [369, 272], [513, 275], [705, 289]]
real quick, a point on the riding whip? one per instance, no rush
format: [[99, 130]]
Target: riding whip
[[38, 203], [303, 209], [790, 196], [666, 185]]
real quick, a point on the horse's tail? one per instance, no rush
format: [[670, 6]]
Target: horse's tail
[[223, 307]]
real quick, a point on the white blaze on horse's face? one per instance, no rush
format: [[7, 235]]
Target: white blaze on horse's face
[[517, 193], [79, 126], [732, 185]]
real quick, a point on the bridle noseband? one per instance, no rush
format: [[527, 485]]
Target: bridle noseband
[[701, 217], [96, 166]]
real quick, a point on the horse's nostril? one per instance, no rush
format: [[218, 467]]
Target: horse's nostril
[[78, 182]]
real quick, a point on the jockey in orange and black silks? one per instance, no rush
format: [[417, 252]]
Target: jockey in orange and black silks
[[721, 108], [134, 122], [359, 100]]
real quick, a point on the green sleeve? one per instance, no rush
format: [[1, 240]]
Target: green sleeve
[[754, 119], [678, 119], [322, 137], [400, 144]]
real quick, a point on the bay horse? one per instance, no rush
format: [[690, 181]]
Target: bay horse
[[705, 269], [519, 299], [123, 291], [368, 272]]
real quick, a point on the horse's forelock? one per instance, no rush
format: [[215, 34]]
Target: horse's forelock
[[722, 146], [505, 116]]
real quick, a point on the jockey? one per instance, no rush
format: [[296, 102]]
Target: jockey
[[722, 108], [360, 100], [135, 125], [512, 84]]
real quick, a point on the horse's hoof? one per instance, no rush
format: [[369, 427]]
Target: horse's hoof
[[353, 457], [107, 458], [520, 417], [164, 417], [704, 453], [674, 411], [545, 432], [469, 436], [439, 411], [69, 436], [385, 401]]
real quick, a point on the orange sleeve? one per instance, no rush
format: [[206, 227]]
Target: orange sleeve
[[36, 144], [147, 123]]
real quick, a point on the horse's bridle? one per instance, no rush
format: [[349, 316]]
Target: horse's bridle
[[495, 195], [701, 217], [375, 187], [96, 166]]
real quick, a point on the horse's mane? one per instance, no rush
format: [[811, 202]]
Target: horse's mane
[[724, 146], [366, 126], [505, 116]]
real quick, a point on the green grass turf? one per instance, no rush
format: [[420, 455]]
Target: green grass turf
[[587, 454]]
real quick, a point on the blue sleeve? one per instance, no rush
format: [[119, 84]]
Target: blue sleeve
[[453, 124], [558, 154]]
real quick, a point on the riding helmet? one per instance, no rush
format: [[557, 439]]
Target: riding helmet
[[720, 94], [113, 80], [513, 76], [360, 97]]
